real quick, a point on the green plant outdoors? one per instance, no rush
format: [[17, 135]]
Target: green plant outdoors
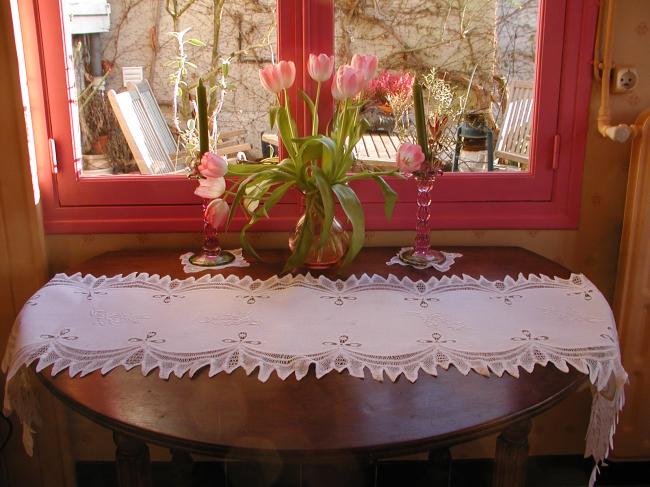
[[320, 167]]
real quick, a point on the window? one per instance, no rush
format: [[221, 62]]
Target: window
[[543, 193]]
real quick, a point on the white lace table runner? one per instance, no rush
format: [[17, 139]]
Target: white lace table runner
[[389, 326]]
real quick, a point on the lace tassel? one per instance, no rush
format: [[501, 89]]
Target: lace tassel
[[20, 397], [603, 421]]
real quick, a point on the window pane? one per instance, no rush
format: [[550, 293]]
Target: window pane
[[487, 46], [129, 59]]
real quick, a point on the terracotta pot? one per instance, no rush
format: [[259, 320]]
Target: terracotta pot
[[100, 145]]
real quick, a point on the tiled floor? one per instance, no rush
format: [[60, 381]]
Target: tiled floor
[[542, 472]]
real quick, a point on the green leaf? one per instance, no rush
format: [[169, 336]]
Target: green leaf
[[308, 102], [303, 245], [246, 245], [196, 42], [273, 115], [310, 151], [325, 191], [329, 153], [390, 196], [276, 196], [242, 169], [354, 211], [284, 122]]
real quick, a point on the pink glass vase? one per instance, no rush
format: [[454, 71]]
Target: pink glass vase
[[211, 254], [422, 255]]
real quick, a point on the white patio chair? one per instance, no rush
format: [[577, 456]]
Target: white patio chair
[[514, 137]]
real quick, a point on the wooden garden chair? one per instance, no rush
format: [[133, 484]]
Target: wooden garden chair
[[154, 149], [514, 137]]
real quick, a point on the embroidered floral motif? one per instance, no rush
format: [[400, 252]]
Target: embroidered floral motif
[[231, 319], [63, 335], [424, 302], [251, 299], [339, 300], [148, 339], [437, 320], [242, 335], [101, 317], [344, 341], [509, 298], [167, 298], [437, 338], [528, 336], [587, 294], [90, 293], [570, 314]]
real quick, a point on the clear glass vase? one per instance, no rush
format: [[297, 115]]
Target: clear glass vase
[[336, 244], [422, 255], [211, 254]]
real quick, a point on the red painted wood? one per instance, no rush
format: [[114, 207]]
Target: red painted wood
[[542, 199]]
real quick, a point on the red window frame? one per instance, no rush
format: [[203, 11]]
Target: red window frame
[[547, 197]]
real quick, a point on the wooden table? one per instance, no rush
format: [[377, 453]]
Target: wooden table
[[331, 419]]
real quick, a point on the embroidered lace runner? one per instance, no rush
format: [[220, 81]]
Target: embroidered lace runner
[[389, 326]]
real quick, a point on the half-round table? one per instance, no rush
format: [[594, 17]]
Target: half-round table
[[331, 419]]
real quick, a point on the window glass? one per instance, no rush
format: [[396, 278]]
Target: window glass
[[477, 61], [133, 67]]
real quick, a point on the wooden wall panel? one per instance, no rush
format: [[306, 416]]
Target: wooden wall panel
[[22, 271], [633, 300]]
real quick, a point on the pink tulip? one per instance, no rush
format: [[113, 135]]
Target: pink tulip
[[285, 72], [320, 67], [269, 80], [367, 64], [349, 81], [210, 188], [216, 212], [212, 166], [409, 157], [336, 93]]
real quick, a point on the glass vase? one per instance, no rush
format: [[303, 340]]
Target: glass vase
[[211, 254], [336, 244], [422, 255]]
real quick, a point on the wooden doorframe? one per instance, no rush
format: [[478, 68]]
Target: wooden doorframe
[[23, 269], [632, 302]]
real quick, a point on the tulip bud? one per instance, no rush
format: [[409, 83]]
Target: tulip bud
[[320, 67]]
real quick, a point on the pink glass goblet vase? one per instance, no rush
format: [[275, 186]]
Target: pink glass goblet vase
[[422, 255], [211, 254]]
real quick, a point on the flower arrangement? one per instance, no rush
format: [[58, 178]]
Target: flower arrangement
[[390, 84], [317, 165], [423, 162], [209, 169], [431, 122]]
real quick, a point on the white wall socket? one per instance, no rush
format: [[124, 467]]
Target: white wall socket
[[624, 79]]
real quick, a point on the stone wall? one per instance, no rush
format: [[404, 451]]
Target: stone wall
[[454, 35], [140, 36], [516, 34]]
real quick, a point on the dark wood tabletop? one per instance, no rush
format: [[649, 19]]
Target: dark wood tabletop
[[237, 416]]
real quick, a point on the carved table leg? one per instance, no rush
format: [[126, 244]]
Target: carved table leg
[[512, 456], [182, 466], [439, 468], [132, 457]]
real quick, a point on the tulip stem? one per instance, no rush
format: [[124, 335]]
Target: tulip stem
[[314, 124]]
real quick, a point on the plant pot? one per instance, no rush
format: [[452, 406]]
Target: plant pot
[[100, 144], [474, 139]]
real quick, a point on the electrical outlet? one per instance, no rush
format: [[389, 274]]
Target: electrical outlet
[[624, 79]]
